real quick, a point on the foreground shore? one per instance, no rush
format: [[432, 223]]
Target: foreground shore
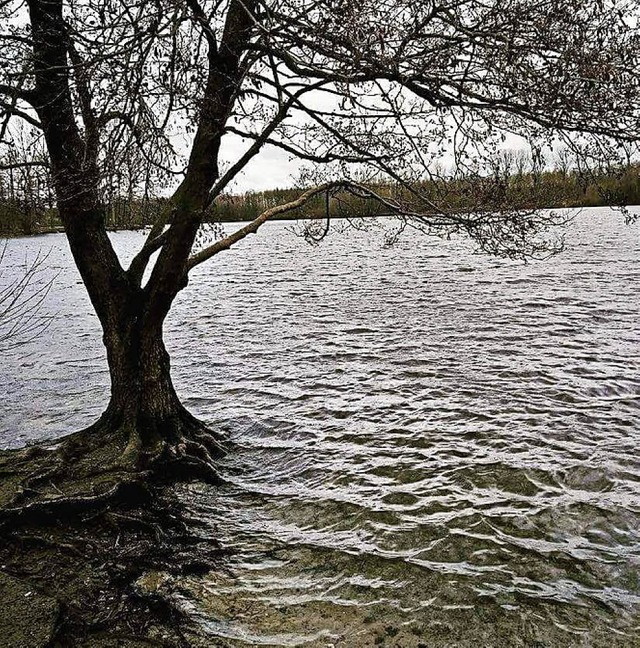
[[99, 578]]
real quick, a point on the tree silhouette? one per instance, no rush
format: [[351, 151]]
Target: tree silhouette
[[378, 90]]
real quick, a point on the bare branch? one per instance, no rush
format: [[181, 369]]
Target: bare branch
[[21, 302], [12, 109], [4, 166], [253, 226]]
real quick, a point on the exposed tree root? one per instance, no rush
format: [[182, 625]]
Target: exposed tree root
[[111, 572], [104, 465], [89, 521]]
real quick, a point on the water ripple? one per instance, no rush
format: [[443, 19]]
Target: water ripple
[[428, 447]]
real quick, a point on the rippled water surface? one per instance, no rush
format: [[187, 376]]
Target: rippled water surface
[[428, 447]]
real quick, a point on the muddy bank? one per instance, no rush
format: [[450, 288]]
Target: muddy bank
[[102, 579]]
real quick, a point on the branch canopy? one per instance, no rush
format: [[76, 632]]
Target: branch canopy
[[139, 100]]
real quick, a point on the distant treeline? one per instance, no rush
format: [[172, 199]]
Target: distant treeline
[[27, 203], [548, 189]]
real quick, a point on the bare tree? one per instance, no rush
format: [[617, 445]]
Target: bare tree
[[26, 189], [375, 89], [21, 299]]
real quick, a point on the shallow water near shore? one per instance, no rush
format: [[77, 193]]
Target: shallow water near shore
[[428, 447]]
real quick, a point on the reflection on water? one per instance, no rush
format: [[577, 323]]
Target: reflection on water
[[428, 447]]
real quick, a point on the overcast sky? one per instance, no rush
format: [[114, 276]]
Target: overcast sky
[[270, 169]]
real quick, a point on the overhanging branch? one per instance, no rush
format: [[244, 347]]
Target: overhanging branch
[[254, 225], [328, 188]]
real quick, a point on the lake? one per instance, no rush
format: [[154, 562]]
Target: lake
[[428, 447]]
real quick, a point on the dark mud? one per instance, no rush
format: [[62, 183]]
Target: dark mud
[[101, 575]]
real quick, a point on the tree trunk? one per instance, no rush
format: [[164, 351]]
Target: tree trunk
[[142, 394], [145, 414], [145, 425]]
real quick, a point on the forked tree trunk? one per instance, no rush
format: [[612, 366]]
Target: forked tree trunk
[[144, 409]]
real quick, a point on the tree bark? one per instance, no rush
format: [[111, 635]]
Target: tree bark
[[143, 399]]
